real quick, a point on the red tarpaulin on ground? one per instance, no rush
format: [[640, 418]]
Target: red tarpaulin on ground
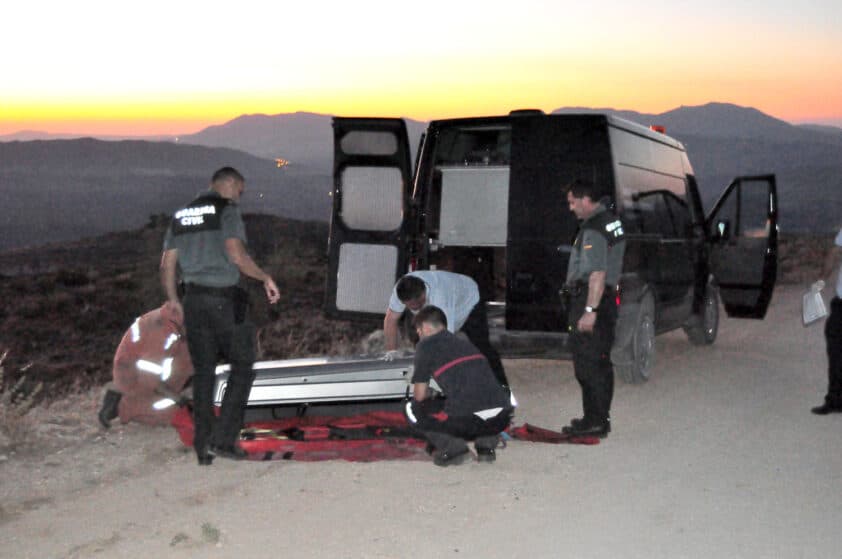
[[365, 437]]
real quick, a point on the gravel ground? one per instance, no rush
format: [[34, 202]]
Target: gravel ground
[[716, 456]]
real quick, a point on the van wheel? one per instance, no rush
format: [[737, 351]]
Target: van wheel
[[702, 328], [635, 359]]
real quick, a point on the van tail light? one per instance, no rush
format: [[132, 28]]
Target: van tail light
[[413, 264], [617, 296]]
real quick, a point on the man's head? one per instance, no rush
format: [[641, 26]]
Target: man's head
[[429, 321], [412, 292], [582, 197], [229, 183]]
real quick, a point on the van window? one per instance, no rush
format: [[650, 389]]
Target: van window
[[753, 210], [744, 213], [369, 142], [680, 214], [658, 212], [372, 198], [478, 145]]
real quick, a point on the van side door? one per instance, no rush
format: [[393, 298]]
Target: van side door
[[743, 230], [367, 244]]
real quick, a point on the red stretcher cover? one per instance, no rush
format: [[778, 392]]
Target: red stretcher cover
[[368, 437]]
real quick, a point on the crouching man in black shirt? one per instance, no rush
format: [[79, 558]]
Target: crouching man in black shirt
[[470, 403]]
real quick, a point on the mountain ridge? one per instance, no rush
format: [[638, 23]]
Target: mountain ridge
[[65, 189], [30, 135], [62, 190]]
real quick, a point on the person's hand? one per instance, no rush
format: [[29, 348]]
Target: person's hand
[[272, 293], [392, 354], [175, 313], [586, 322]]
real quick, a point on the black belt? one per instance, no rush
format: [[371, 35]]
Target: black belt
[[579, 288], [574, 289], [229, 292]]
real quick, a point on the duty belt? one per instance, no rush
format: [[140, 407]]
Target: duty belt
[[579, 288], [229, 292], [574, 289]]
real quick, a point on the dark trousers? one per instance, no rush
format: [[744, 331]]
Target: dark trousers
[[449, 433], [213, 332], [592, 357], [476, 330], [833, 339]]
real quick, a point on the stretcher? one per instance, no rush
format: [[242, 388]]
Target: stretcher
[[323, 379]]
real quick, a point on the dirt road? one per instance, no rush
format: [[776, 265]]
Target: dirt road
[[716, 456]]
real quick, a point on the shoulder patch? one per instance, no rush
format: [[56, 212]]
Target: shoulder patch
[[608, 225], [614, 229], [203, 214]]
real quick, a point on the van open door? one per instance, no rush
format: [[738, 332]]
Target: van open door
[[547, 152], [366, 248], [743, 230]]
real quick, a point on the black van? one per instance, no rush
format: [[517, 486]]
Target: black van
[[485, 199]]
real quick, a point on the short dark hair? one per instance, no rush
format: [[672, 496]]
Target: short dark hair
[[227, 173], [580, 188], [410, 288], [431, 315]]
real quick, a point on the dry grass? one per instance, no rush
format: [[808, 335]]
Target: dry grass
[[15, 402], [802, 259], [67, 306]]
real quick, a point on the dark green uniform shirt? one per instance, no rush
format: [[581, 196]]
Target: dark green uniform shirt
[[599, 247], [199, 232]]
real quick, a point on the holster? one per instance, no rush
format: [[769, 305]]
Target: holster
[[572, 296], [241, 305]]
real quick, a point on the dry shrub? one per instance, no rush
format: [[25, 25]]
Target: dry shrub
[[15, 401]]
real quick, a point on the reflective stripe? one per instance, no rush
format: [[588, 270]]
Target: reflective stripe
[[166, 369], [485, 415], [136, 330], [148, 366], [409, 414], [171, 339], [163, 404], [455, 362]]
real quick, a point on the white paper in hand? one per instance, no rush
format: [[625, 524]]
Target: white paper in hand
[[812, 304]]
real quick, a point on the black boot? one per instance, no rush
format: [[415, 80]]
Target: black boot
[[108, 411], [485, 448]]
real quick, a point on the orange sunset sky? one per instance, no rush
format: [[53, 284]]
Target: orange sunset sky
[[172, 67]]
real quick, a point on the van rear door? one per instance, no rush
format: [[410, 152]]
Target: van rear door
[[743, 229], [366, 248], [547, 152]]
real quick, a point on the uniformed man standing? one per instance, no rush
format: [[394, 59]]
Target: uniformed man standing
[[206, 242], [593, 271]]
